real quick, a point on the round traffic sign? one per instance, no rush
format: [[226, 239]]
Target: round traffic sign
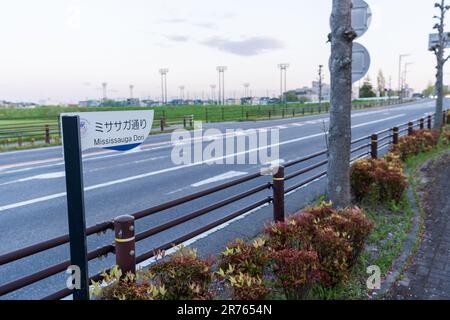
[[360, 62], [361, 17]]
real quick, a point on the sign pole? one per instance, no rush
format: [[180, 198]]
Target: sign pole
[[75, 202]]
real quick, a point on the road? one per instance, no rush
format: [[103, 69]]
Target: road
[[32, 187]]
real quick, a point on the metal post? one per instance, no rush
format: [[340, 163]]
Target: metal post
[[19, 141], [246, 115], [410, 128], [47, 134], [429, 122], [75, 202], [125, 245], [282, 113], [278, 194], [184, 122], [161, 120], [374, 146], [395, 135], [270, 114], [191, 120], [421, 123]]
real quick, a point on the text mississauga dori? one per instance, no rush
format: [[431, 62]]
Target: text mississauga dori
[[119, 140]]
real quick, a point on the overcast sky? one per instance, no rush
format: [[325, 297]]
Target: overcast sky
[[63, 50]]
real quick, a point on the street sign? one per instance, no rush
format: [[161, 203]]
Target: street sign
[[360, 62], [361, 17], [115, 130], [433, 40]]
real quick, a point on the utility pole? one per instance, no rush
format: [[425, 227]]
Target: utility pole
[[400, 83], [283, 79], [339, 141], [163, 73], [320, 83], [438, 50], [405, 75], [221, 70]]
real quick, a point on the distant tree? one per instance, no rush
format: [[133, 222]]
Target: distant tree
[[366, 90], [291, 96], [429, 90], [381, 83]]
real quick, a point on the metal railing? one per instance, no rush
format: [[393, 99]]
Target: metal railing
[[125, 237]]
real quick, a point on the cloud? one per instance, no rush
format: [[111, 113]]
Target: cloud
[[200, 24], [177, 38], [246, 47]]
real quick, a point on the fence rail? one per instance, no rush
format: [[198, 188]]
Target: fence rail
[[17, 132], [366, 146]]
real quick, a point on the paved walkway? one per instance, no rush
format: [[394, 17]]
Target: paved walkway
[[428, 277]]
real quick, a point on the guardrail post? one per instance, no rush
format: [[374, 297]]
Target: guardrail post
[[161, 121], [278, 193], [19, 141], [282, 113], [184, 122], [191, 120], [246, 115], [429, 122], [270, 114], [125, 245], [395, 135], [410, 128], [421, 123], [47, 134], [374, 146], [293, 113]]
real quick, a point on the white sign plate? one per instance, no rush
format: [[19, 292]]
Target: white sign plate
[[433, 40], [360, 62], [361, 17], [115, 130]]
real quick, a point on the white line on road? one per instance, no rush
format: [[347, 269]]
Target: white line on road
[[225, 176], [153, 173]]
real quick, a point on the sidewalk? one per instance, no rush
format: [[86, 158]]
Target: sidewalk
[[428, 276]]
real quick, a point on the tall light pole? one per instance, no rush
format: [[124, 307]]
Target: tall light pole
[[181, 92], [283, 76], [131, 91], [246, 91], [320, 83], [221, 70], [213, 93], [405, 74], [400, 89], [105, 88], [163, 72]]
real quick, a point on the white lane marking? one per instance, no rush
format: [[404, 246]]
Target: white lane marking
[[220, 177], [148, 174], [145, 175], [44, 176]]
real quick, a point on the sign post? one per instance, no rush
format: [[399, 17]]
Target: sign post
[[115, 130], [75, 203]]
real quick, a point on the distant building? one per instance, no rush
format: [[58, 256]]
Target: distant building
[[90, 103]]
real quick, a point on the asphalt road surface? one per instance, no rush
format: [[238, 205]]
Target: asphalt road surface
[[32, 187]]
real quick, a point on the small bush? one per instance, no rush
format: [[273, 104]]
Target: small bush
[[419, 141], [245, 258], [378, 180], [336, 236], [295, 271], [244, 286], [184, 275]]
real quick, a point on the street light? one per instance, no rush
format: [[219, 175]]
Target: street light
[[221, 70], [283, 69], [246, 92], [400, 89], [405, 74], [163, 73]]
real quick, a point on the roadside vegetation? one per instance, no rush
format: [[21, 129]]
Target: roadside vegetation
[[317, 253]]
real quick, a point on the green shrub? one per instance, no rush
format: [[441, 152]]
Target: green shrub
[[419, 141], [295, 271], [378, 180], [245, 258], [184, 275]]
